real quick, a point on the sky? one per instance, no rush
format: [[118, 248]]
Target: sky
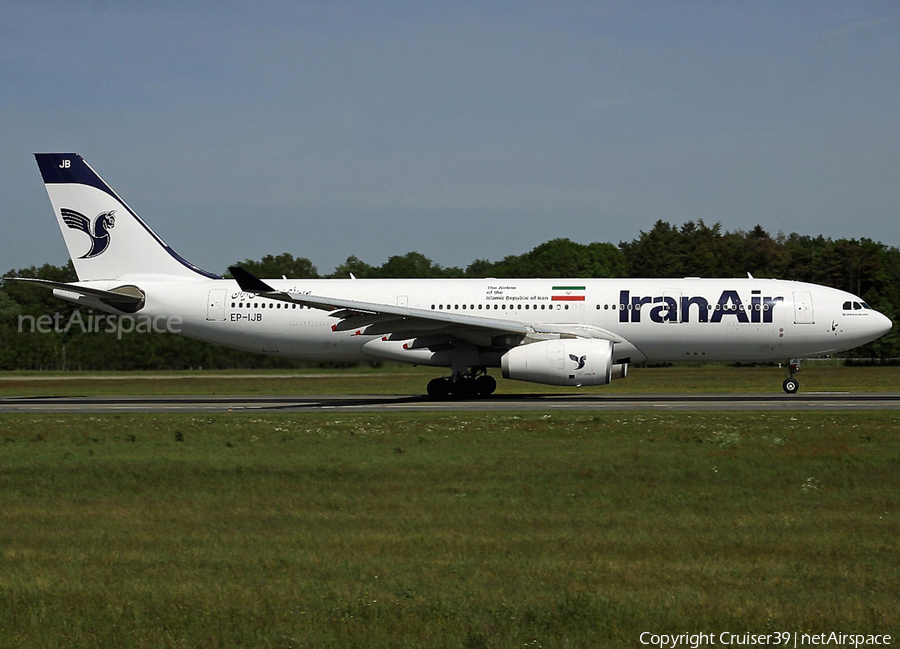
[[460, 130]]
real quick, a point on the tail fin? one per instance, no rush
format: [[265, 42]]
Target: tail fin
[[106, 239]]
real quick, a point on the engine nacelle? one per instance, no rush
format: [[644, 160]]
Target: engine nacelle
[[572, 362]]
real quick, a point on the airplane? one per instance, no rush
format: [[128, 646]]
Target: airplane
[[564, 332]]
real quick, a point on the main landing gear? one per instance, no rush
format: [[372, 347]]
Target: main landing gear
[[474, 384], [791, 385]]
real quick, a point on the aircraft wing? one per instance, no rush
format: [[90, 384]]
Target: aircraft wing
[[402, 323]]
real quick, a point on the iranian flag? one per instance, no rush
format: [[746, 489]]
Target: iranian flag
[[568, 294]]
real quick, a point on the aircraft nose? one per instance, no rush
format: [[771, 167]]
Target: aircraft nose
[[870, 328], [882, 324]]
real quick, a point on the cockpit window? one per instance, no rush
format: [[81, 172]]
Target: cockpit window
[[855, 306]]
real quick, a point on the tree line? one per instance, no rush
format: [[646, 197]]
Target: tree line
[[694, 249]]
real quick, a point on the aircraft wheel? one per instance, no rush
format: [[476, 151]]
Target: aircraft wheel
[[485, 385], [790, 385], [439, 388], [464, 388]]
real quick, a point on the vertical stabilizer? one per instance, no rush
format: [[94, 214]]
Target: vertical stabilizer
[[106, 239]]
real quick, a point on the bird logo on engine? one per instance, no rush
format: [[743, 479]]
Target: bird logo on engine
[[579, 362]]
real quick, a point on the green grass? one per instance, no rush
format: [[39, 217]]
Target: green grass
[[409, 380], [477, 530]]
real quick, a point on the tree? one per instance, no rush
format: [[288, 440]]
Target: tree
[[412, 265], [556, 258], [656, 253], [862, 267], [285, 264], [355, 266]]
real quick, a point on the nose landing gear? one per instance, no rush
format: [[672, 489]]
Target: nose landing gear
[[791, 385]]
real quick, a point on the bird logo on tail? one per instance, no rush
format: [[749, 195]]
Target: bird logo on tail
[[99, 233]]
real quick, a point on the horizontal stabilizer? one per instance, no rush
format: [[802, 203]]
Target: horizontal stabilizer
[[127, 298]]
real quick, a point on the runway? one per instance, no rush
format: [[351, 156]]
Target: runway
[[496, 403]]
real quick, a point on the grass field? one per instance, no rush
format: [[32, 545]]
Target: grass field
[[477, 530], [412, 380]]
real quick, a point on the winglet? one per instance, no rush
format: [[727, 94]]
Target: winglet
[[249, 282]]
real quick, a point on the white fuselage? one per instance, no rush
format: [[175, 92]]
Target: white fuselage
[[651, 319]]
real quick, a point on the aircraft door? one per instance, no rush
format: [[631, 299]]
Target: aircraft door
[[215, 305], [803, 308]]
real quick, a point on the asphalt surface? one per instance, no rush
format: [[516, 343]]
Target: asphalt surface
[[393, 403]]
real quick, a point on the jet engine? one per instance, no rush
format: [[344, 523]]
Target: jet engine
[[572, 361]]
